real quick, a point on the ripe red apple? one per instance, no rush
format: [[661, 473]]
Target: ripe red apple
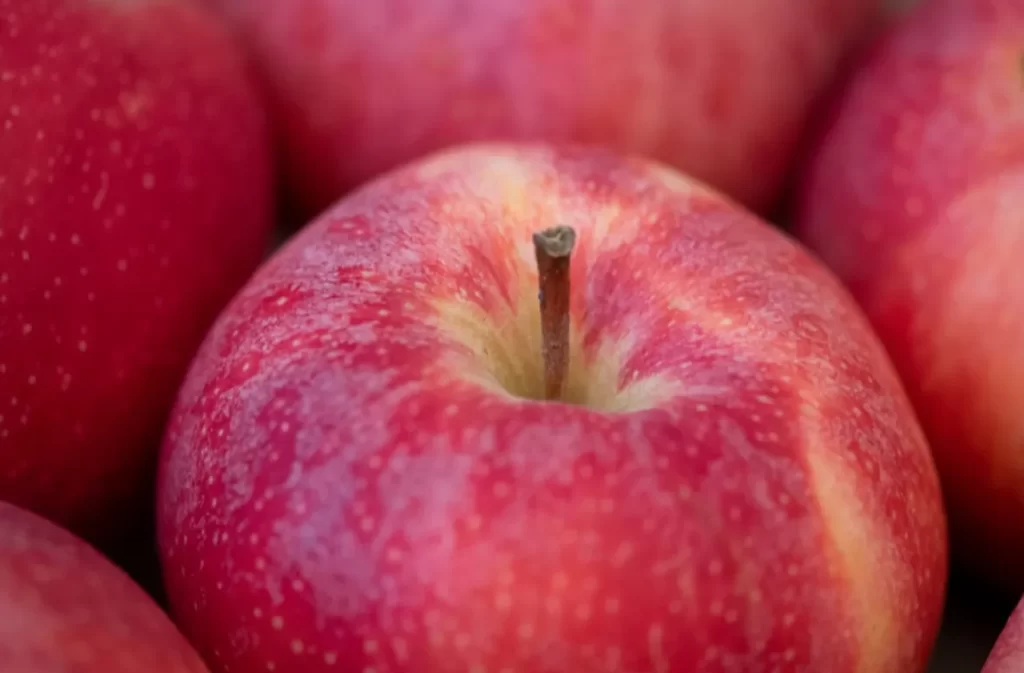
[[720, 89], [65, 607], [1007, 655], [364, 471], [914, 197], [135, 199]]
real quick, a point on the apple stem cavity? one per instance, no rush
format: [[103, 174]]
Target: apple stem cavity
[[553, 247]]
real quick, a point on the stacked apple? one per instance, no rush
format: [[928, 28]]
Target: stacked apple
[[1007, 655], [691, 454], [64, 607], [537, 388], [135, 198], [914, 196], [719, 89]]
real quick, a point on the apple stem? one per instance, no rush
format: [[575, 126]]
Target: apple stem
[[553, 248]]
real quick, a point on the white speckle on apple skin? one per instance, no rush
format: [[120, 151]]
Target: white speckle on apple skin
[[345, 425]]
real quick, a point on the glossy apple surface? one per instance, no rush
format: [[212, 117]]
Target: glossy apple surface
[[914, 196], [359, 475], [135, 199], [720, 89], [65, 607]]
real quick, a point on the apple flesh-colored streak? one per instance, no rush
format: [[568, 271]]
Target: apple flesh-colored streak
[[718, 88], [914, 197], [135, 199], [359, 473], [65, 608]]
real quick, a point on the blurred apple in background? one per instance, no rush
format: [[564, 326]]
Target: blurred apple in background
[[1008, 654], [362, 472], [720, 89], [915, 197], [66, 608], [135, 199]]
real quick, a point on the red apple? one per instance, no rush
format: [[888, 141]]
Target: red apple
[[361, 474], [135, 199], [65, 607], [914, 197], [720, 89], [1007, 655]]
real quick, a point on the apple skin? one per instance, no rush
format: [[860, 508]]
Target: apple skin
[[65, 607], [355, 476], [1007, 654], [135, 198], [913, 197], [720, 89]]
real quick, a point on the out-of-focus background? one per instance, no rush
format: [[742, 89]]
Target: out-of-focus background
[[976, 614]]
